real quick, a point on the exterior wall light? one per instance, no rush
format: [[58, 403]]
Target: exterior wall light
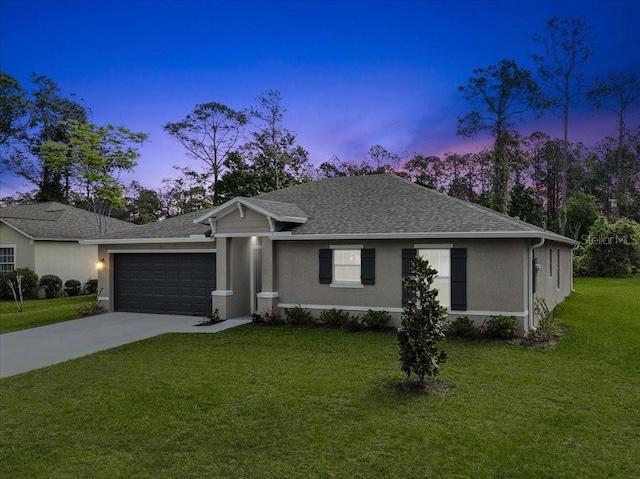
[[100, 264]]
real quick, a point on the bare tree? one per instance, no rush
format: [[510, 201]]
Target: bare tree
[[500, 95], [566, 46], [618, 93], [210, 133]]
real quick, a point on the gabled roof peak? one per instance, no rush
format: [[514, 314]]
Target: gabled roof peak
[[280, 211]]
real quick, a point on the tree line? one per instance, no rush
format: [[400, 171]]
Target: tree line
[[47, 139]]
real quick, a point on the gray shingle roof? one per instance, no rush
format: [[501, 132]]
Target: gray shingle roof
[[176, 227], [387, 204], [55, 221], [278, 208], [363, 205]]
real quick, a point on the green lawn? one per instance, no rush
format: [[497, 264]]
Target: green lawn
[[258, 402], [38, 312]]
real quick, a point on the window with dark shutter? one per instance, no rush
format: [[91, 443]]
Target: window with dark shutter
[[368, 272], [326, 266], [408, 256], [459, 279]]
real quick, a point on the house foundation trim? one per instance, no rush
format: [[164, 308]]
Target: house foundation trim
[[222, 292], [332, 306], [268, 294]]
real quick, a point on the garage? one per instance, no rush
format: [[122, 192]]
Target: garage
[[164, 283]]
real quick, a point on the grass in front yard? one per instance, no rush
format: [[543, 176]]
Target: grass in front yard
[[283, 402], [39, 312]]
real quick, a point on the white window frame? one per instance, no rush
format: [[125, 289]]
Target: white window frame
[[336, 283], [15, 253], [443, 296]]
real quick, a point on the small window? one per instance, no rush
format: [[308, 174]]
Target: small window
[[558, 268], [550, 263], [347, 265], [7, 259]]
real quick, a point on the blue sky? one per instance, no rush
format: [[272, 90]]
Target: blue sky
[[352, 73]]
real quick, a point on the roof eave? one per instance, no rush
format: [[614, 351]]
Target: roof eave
[[196, 239], [432, 235]]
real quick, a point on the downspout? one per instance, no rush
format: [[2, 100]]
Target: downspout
[[531, 308]]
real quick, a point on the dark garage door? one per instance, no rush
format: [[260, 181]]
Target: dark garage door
[[164, 283]]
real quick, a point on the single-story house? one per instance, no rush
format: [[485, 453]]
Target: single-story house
[[342, 243], [44, 237]]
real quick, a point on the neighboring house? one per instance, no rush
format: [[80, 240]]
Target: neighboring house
[[44, 238], [336, 243]]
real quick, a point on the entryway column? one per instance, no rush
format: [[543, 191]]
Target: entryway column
[[268, 297], [220, 297]]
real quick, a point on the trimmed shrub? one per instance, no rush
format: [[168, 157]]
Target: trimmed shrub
[[334, 317], [268, 317], [29, 283], [91, 287], [354, 324], [503, 327], [52, 285], [376, 319], [461, 326], [72, 287], [297, 315]]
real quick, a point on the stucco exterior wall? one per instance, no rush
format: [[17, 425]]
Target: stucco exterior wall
[[25, 249], [68, 260], [496, 276], [547, 275]]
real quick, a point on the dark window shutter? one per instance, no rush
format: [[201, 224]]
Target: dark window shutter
[[534, 273], [326, 266], [368, 271], [459, 279], [408, 255]]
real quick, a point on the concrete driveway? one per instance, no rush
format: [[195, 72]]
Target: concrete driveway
[[35, 348]]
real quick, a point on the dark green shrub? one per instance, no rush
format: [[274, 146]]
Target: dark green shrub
[[29, 283], [334, 317], [268, 317], [612, 250], [461, 326], [72, 287], [91, 287], [52, 285], [376, 319], [354, 324], [421, 329], [297, 316], [502, 327]]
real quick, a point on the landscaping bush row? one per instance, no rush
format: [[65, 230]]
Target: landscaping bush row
[[496, 327], [51, 285], [506, 327], [298, 316]]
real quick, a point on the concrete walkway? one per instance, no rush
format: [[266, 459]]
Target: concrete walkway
[[36, 348]]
